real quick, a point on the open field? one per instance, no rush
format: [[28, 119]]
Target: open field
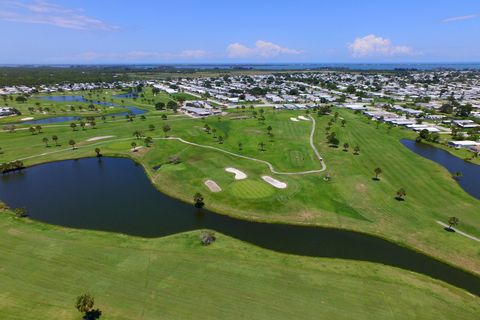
[[350, 199], [45, 267]]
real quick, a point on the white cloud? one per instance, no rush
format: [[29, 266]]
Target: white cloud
[[138, 55], [263, 49], [43, 12], [461, 18], [371, 45]]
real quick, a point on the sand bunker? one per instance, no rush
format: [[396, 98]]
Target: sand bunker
[[213, 186], [99, 138], [26, 119], [136, 148], [294, 119], [274, 182], [239, 175], [303, 118]]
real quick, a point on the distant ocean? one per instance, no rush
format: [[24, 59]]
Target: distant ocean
[[346, 66], [282, 66]]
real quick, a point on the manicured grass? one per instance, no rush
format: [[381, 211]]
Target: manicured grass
[[250, 189], [350, 199], [44, 268]]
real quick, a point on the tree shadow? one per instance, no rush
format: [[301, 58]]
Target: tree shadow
[[399, 198], [92, 314], [448, 229], [375, 179]]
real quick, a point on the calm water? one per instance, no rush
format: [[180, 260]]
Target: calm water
[[131, 109], [470, 181], [114, 194]]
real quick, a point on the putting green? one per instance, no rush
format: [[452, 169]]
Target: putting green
[[250, 189]]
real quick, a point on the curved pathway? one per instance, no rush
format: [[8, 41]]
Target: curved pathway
[[270, 166]]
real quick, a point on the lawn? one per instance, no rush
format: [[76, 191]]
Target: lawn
[[351, 199], [44, 268]]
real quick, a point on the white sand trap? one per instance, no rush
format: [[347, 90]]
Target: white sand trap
[[99, 138], [303, 118], [274, 182], [294, 119], [26, 119], [213, 186], [239, 175], [136, 148]]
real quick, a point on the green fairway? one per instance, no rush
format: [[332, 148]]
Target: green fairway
[[343, 196], [44, 268]]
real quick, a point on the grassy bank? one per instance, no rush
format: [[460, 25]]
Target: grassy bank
[[45, 267]]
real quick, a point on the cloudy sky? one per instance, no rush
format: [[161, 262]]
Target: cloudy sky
[[188, 31]]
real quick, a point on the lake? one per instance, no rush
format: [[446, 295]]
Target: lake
[[470, 179], [76, 98], [114, 194]]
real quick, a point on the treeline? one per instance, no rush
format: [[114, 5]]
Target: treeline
[[32, 76]]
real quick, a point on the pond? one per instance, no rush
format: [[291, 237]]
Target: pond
[[470, 178], [77, 98], [114, 194]]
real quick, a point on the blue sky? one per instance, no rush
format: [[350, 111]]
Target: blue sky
[[209, 31]]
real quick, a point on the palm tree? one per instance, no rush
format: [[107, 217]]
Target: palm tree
[[377, 171], [401, 193], [269, 130], [220, 139], [32, 130], [240, 146], [97, 151], [72, 143], [344, 122], [73, 126], [166, 128], [207, 128], [148, 141], [137, 134], [214, 131], [55, 139], [134, 146], [452, 221], [345, 146], [198, 199], [357, 150], [261, 146], [45, 140], [82, 124]]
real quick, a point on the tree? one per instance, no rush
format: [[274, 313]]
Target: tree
[[356, 150], [198, 199], [344, 122], [269, 130], [164, 117], [206, 127], [97, 151], [55, 139], [377, 172], [134, 146], [32, 130], [104, 119], [214, 131], [345, 146], [452, 221], [166, 128], [20, 212], [137, 134], [84, 303], [45, 140], [72, 143], [401, 193], [148, 141], [261, 146], [220, 139], [82, 124], [172, 105], [240, 146], [73, 126], [38, 128]]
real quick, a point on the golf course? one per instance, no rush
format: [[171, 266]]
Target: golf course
[[255, 164]]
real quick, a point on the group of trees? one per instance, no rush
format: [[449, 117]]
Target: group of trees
[[11, 166], [428, 136]]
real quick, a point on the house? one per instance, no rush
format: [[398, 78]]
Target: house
[[463, 144], [4, 111]]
